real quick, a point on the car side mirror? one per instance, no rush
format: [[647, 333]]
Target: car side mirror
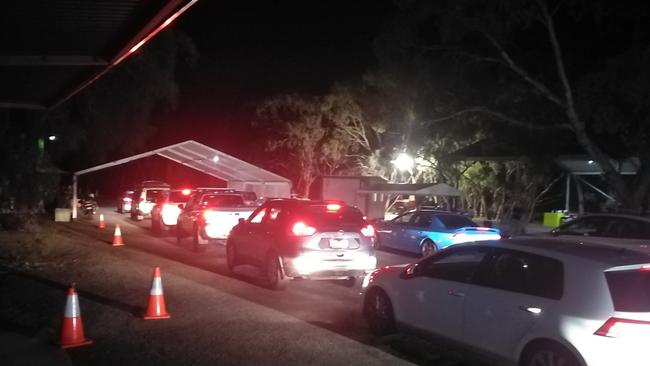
[[241, 220], [409, 271], [555, 231]]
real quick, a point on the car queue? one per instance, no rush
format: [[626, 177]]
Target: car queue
[[556, 299]]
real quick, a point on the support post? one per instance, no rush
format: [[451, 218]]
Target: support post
[[567, 196], [74, 196]]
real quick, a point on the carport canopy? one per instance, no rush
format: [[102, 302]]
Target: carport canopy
[[237, 173], [416, 189]]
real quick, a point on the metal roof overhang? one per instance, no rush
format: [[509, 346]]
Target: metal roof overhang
[[418, 189], [204, 159], [53, 49]]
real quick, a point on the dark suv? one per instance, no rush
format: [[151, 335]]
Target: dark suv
[[308, 239]]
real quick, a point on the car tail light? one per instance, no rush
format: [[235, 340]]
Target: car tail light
[[368, 230], [645, 267], [483, 228], [624, 328], [127, 199], [302, 229], [186, 192]]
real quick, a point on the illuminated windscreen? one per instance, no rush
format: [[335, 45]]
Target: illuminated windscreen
[[218, 200]]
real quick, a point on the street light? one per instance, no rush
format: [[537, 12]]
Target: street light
[[51, 137], [403, 162]]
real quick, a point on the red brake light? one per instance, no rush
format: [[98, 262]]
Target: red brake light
[[645, 267], [483, 228], [186, 192], [333, 207], [302, 229], [624, 328], [127, 199], [368, 230]]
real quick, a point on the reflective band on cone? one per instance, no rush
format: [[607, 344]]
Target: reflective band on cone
[[101, 221], [156, 307], [117, 236], [72, 333]]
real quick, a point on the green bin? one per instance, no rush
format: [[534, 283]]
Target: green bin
[[552, 219]]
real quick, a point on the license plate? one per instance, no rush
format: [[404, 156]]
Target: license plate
[[338, 243]]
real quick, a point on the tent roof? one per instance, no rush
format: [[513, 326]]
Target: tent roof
[[204, 159], [418, 189]]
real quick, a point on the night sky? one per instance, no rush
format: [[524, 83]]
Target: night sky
[[248, 53]]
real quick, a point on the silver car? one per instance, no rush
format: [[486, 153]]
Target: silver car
[[290, 238]]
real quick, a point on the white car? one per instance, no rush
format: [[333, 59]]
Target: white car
[[523, 301]]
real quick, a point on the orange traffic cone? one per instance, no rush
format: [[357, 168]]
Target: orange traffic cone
[[102, 224], [156, 308], [72, 332], [117, 237]]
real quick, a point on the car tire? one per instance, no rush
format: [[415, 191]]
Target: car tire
[[274, 277], [231, 255], [549, 354], [199, 244], [378, 311], [427, 248]]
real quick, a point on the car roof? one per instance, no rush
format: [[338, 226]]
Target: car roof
[[562, 248]]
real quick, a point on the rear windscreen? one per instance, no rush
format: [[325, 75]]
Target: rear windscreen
[[630, 290], [222, 200], [320, 215], [154, 194], [178, 196], [452, 222]]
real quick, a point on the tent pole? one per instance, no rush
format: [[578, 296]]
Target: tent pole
[[74, 196], [568, 192]]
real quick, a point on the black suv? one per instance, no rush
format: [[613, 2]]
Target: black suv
[[289, 238]]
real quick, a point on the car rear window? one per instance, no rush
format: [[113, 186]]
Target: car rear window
[[178, 196], [222, 200], [452, 222], [630, 290], [154, 194], [320, 215]]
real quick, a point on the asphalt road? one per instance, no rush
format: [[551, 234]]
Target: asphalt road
[[326, 304]]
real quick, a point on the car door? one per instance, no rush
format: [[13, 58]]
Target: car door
[[185, 221], [416, 230], [249, 232], [507, 297], [391, 234], [432, 301]]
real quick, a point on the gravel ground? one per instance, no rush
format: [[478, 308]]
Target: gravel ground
[[208, 326]]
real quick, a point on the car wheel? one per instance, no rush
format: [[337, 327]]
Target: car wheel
[[199, 244], [274, 278], [378, 311], [549, 354], [231, 255], [428, 248]]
